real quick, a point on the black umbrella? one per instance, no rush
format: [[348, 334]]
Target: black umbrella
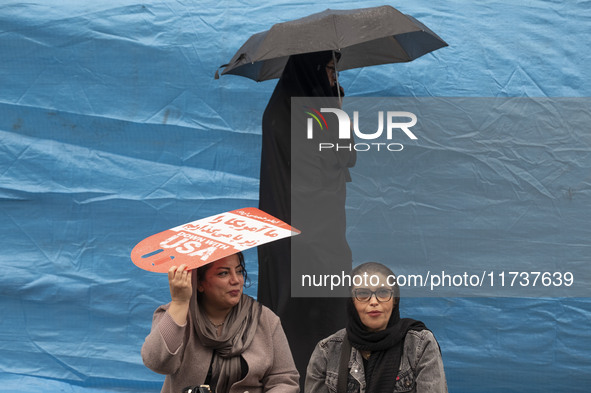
[[364, 37]]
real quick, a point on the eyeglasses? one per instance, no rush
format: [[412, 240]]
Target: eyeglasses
[[332, 70], [364, 295]]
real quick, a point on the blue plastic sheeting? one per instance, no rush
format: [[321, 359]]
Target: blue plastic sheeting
[[491, 199], [112, 128], [483, 197]]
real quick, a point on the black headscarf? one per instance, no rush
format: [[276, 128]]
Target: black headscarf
[[386, 346]]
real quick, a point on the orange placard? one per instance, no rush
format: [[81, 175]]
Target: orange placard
[[206, 240]]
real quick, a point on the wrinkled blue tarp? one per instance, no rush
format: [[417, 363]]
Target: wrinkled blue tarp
[[112, 128]]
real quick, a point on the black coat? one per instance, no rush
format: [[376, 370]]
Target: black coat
[[307, 190]]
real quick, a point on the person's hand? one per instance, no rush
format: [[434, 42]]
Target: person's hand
[[179, 280], [336, 92]]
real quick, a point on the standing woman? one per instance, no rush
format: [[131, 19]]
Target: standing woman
[[211, 333], [312, 200], [378, 351]]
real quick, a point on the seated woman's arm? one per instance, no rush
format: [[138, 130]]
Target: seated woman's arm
[[430, 376], [283, 376], [162, 351], [163, 348], [316, 372]]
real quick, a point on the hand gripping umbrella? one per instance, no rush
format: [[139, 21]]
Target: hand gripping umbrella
[[364, 37]]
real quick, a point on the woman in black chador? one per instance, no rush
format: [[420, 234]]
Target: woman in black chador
[[307, 188]]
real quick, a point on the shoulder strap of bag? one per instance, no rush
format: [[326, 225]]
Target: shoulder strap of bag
[[344, 365]]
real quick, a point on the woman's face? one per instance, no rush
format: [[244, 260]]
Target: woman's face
[[223, 283], [373, 313], [331, 72]]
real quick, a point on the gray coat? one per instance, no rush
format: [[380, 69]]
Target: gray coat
[[177, 352], [421, 367]]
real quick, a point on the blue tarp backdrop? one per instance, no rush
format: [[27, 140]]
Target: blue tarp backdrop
[[112, 128]]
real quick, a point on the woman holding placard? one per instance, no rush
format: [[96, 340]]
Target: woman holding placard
[[213, 334]]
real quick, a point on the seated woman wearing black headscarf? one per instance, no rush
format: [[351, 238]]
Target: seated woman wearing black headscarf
[[378, 351]]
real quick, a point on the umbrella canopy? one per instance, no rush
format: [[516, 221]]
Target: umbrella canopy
[[364, 37]]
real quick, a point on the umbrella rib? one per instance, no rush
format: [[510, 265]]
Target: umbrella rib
[[408, 58], [334, 26]]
